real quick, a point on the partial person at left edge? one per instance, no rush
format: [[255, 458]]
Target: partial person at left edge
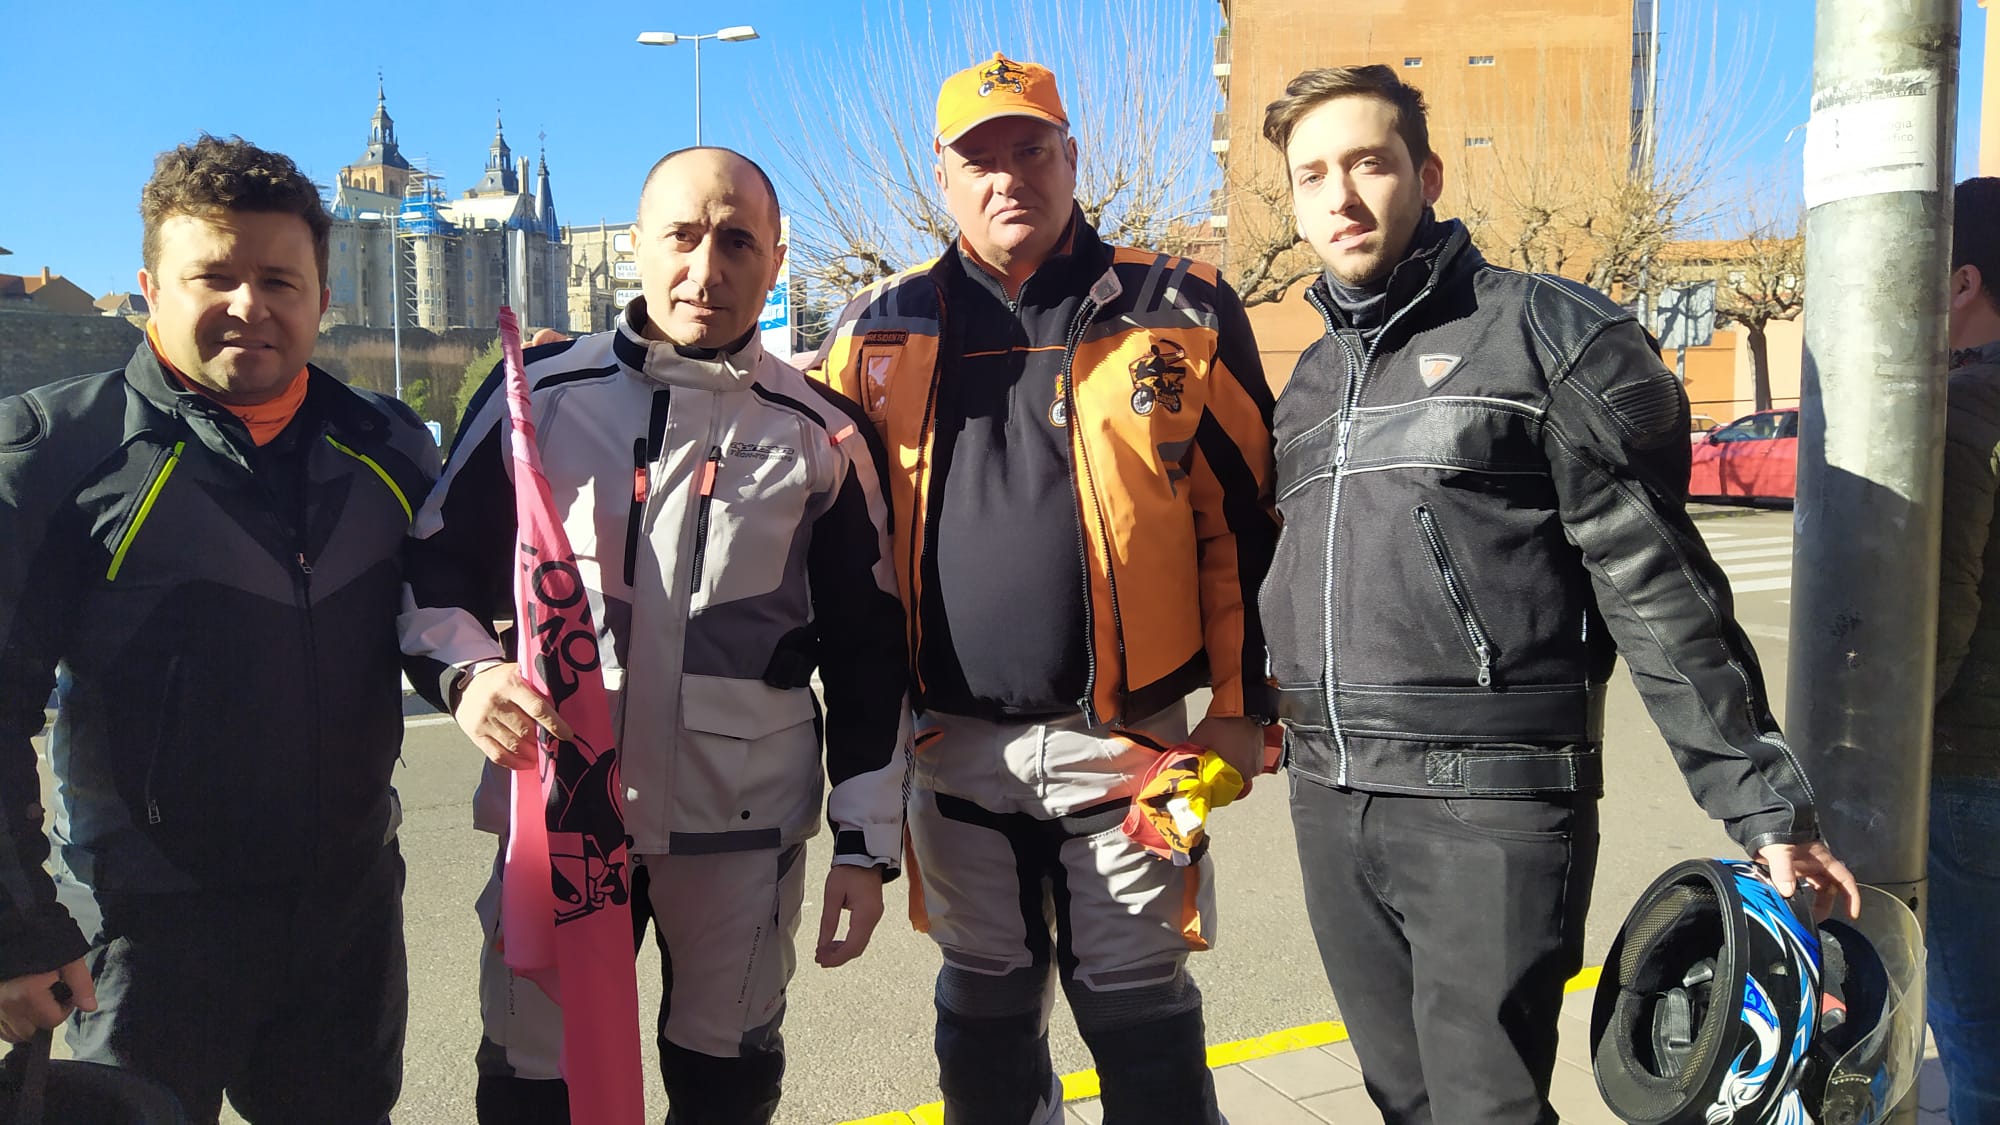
[[201, 552]]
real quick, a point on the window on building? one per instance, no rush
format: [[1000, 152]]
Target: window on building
[[1479, 60], [1479, 142], [1413, 60]]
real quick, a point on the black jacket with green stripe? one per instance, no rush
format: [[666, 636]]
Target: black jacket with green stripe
[[224, 622]]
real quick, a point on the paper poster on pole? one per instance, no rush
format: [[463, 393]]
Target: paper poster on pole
[[1873, 136]]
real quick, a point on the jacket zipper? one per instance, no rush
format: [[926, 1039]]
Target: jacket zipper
[[645, 451], [152, 495], [1080, 481], [169, 724], [636, 515], [708, 471], [920, 545], [1357, 376], [1469, 628]]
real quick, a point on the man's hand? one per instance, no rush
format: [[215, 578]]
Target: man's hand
[[1238, 740], [858, 891], [499, 714], [1814, 863], [28, 1003]]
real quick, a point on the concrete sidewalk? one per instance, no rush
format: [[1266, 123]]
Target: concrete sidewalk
[[1310, 1076], [1320, 1085]]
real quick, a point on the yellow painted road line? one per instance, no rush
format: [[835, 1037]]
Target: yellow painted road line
[[1083, 1084]]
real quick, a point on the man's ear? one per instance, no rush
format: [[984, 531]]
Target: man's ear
[[777, 267], [1432, 175], [146, 288], [1965, 287]]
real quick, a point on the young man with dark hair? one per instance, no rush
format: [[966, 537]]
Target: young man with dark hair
[[1962, 978], [201, 552], [731, 533], [1482, 476]]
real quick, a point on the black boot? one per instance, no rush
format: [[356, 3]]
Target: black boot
[[506, 1100], [992, 1070], [705, 1090], [1155, 1072]]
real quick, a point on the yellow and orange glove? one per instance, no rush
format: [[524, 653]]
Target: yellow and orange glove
[[1169, 815]]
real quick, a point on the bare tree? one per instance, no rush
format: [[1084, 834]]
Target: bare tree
[[859, 146], [1266, 255], [1603, 204], [1759, 277]]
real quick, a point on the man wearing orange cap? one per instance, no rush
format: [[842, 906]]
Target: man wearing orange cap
[[1080, 466]]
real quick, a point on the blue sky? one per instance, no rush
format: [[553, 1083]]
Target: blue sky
[[97, 89]]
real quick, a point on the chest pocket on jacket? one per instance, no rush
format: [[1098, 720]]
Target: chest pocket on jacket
[[754, 527]]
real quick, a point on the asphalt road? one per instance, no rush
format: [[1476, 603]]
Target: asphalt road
[[859, 1036]]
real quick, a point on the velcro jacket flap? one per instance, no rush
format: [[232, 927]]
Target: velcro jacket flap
[[740, 708]]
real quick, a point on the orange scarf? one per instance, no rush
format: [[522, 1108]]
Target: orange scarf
[[265, 420]]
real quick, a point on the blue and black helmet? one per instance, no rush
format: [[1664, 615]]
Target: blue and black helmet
[[1722, 1004]]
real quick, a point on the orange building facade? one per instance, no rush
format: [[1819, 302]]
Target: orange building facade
[[1520, 97]]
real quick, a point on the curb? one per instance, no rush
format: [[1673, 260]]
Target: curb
[[1083, 1085]]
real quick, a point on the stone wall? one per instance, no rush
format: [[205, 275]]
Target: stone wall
[[38, 348]]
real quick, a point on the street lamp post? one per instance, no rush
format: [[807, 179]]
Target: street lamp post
[[742, 33]]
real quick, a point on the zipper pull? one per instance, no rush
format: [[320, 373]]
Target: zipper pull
[[1485, 666], [304, 566], [1340, 451], [152, 811], [708, 471]]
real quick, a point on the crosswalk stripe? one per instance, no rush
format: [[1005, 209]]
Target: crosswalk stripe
[[1754, 541], [1728, 556], [1758, 568], [1758, 585]]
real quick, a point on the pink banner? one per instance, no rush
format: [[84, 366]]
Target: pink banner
[[566, 914]]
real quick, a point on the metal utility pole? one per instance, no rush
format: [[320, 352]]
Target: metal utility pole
[[1865, 571]]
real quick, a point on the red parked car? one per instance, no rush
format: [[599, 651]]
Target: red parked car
[[1753, 458]]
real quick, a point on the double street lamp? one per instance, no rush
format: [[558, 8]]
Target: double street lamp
[[741, 33]]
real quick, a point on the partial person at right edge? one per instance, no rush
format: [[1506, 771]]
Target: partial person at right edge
[[1962, 978], [1483, 481]]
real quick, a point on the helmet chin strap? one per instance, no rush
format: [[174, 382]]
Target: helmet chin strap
[[1676, 1015]]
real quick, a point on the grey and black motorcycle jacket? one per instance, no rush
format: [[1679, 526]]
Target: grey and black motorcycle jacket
[[219, 621], [1483, 505]]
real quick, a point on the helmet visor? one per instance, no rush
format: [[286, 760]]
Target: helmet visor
[[1872, 1075]]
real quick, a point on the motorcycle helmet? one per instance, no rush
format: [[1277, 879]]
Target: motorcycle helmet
[[1722, 1004]]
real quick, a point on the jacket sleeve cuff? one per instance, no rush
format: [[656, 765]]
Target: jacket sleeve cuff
[[42, 945], [876, 846]]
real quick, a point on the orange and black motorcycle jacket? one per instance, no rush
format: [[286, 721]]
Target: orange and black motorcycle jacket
[[1167, 416]]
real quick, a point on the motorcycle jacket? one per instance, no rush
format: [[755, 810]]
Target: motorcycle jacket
[[727, 520], [1483, 506]]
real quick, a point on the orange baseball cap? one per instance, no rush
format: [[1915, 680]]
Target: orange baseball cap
[[999, 87]]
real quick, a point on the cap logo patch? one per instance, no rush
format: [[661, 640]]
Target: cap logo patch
[[1436, 369], [1001, 73]]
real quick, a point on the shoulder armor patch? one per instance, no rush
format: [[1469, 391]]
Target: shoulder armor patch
[[1651, 410], [20, 424]]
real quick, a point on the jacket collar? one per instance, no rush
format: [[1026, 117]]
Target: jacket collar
[[1439, 249], [1085, 256], [336, 405], [662, 361], [1985, 355]]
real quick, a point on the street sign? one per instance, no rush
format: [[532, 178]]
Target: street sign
[[623, 297], [775, 322], [621, 243], [437, 432], [625, 271], [1685, 316]]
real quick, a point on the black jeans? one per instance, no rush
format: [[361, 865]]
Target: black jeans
[[1448, 927]]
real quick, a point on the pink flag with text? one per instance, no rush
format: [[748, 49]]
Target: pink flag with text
[[566, 914]]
